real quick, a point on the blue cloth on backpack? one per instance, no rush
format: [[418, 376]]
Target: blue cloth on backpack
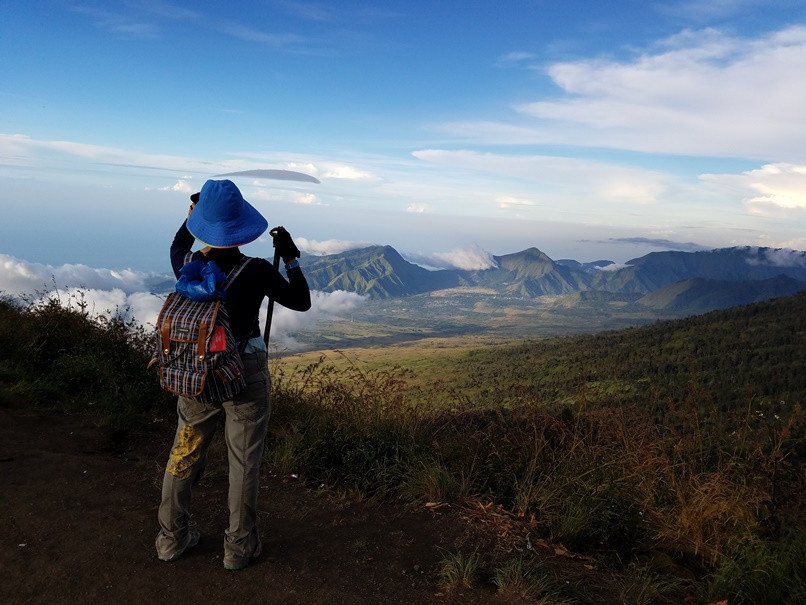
[[200, 281]]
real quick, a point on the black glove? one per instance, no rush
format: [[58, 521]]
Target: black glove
[[284, 244], [194, 199]]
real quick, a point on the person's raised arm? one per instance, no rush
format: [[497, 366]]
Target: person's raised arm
[[294, 293]]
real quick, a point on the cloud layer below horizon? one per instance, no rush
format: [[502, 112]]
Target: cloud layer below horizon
[[102, 292], [130, 294]]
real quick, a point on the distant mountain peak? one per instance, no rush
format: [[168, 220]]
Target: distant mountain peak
[[530, 253], [381, 272], [527, 263]]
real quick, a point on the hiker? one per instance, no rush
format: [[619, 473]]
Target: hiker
[[222, 220]]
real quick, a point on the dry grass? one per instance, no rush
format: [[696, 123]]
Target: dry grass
[[594, 477]]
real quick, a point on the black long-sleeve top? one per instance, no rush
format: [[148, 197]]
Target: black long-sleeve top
[[257, 280]]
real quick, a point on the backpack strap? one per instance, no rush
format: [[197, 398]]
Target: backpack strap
[[165, 335], [235, 271]]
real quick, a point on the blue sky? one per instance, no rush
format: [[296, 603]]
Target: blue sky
[[591, 130]]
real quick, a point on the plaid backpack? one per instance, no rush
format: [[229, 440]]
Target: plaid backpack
[[197, 354]]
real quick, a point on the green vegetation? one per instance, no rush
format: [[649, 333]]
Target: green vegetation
[[683, 439], [642, 586], [478, 313], [764, 571], [522, 578], [743, 356], [55, 356], [459, 569]]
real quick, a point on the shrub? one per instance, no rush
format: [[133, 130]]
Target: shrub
[[459, 569], [54, 354]]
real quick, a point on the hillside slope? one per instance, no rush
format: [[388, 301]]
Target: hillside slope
[[755, 352], [377, 271], [701, 295], [380, 272]]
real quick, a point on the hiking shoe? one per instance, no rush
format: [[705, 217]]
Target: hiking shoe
[[235, 563], [193, 540]]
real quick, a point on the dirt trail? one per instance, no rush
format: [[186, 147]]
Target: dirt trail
[[78, 520]]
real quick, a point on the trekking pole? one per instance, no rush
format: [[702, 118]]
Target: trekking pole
[[270, 309]]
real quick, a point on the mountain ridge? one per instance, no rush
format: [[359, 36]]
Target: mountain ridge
[[381, 272]]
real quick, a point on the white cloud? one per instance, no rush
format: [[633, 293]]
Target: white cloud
[[776, 257], [786, 258], [335, 304], [780, 185], [250, 34], [349, 173], [138, 19], [23, 150], [324, 306], [181, 185], [516, 57], [121, 22], [796, 243], [575, 177], [303, 167], [417, 208], [20, 145], [697, 93], [19, 277], [143, 307], [691, 96], [330, 246], [102, 292], [305, 198], [700, 11], [612, 267], [470, 258], [486, 132], [507, 201], [319, 168]]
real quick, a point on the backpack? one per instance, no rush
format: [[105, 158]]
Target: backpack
[[197, 354]]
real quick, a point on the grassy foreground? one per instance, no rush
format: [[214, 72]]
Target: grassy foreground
[[682, 441], [671, 453]]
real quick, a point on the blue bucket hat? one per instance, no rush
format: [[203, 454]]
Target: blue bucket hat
[[223, 219]]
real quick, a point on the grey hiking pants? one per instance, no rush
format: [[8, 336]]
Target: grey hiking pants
[[246, 422]]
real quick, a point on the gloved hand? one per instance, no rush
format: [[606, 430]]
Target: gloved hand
[[284, 244], [194, 199]]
